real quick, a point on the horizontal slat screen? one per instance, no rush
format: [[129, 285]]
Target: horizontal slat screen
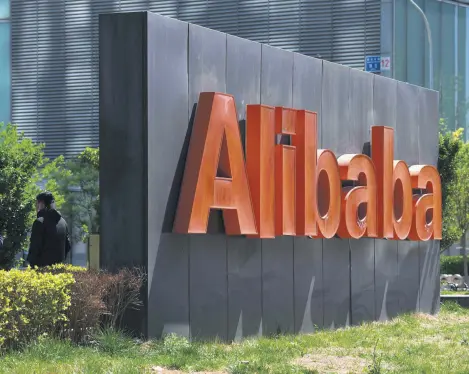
[[55, 50]]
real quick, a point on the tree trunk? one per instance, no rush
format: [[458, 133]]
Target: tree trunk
[[463, 247]]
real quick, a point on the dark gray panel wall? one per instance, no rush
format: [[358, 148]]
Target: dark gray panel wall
[[307, 86], [362, 264], [243, 80], [208, 258], [361, 111], [384, 101], [335, 135], [335, 108], [429, 257], [207, 73], [362, 256], [243, 75], [336, 283], [406, 145], [204, 286], [277, 286], [428, 154], [123, 162], [309, 286], [428, 126], [406, 137], [386, 279], [122, 102], [276, 77], [386, 268], [277, 254], [244, 287], [168, 255], [408, 264], [208, 287], [308, 292]]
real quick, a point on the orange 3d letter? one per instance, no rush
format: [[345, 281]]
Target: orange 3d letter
[[382, 153], [328, 194], [426, 223], [285, 174], [260, 163], [402, 201], [305, 142], [215, 146], [358, 168]]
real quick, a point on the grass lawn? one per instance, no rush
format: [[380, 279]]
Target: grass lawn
[[408, 344]]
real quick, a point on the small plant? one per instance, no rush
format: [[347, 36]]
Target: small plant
[[175, 345], [375, 367], [113, 342], [240, 367]]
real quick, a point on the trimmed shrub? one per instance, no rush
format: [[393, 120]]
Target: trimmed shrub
[[31, 304], [452, 265], [61, 268]]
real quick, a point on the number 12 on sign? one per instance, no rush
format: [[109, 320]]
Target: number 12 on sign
[[385, 63]]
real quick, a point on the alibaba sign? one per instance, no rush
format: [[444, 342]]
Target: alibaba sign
[[298, 189]]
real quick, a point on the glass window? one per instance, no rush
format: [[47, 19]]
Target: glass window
[[5, 80], [5, 8]]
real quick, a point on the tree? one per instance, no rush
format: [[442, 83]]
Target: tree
[[78, 182], [458, 198], [22, 167], [449, 145]]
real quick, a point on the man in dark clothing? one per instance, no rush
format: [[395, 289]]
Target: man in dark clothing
[[50, 242]]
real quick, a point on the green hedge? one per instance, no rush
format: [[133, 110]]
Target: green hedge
[[451, 265], [31, 304]]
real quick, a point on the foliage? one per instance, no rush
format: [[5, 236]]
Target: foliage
[[31, 304], [408, 344], [99, 297], [61, 268], [449, 145], [63, 301], [122, 294], [459, 189], [22, 167], [451, 265], [78, 182], [458, 197]]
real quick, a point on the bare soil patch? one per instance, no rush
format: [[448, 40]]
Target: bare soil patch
[[325, 363], [160, 370]]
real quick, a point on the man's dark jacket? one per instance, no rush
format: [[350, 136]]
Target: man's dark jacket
[[50, 242]]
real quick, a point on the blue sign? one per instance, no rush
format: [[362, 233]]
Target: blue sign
[[373, 64]]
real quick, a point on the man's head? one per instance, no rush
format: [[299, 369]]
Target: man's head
[[44, 200]]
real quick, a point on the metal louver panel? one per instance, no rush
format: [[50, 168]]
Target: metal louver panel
[[55, 50]]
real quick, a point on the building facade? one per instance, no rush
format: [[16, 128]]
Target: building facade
[[5, 62], [54, 48], [449, 25], [49, 65]]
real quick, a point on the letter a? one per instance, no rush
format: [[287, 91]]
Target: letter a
[[215, 145], [427, 217]]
